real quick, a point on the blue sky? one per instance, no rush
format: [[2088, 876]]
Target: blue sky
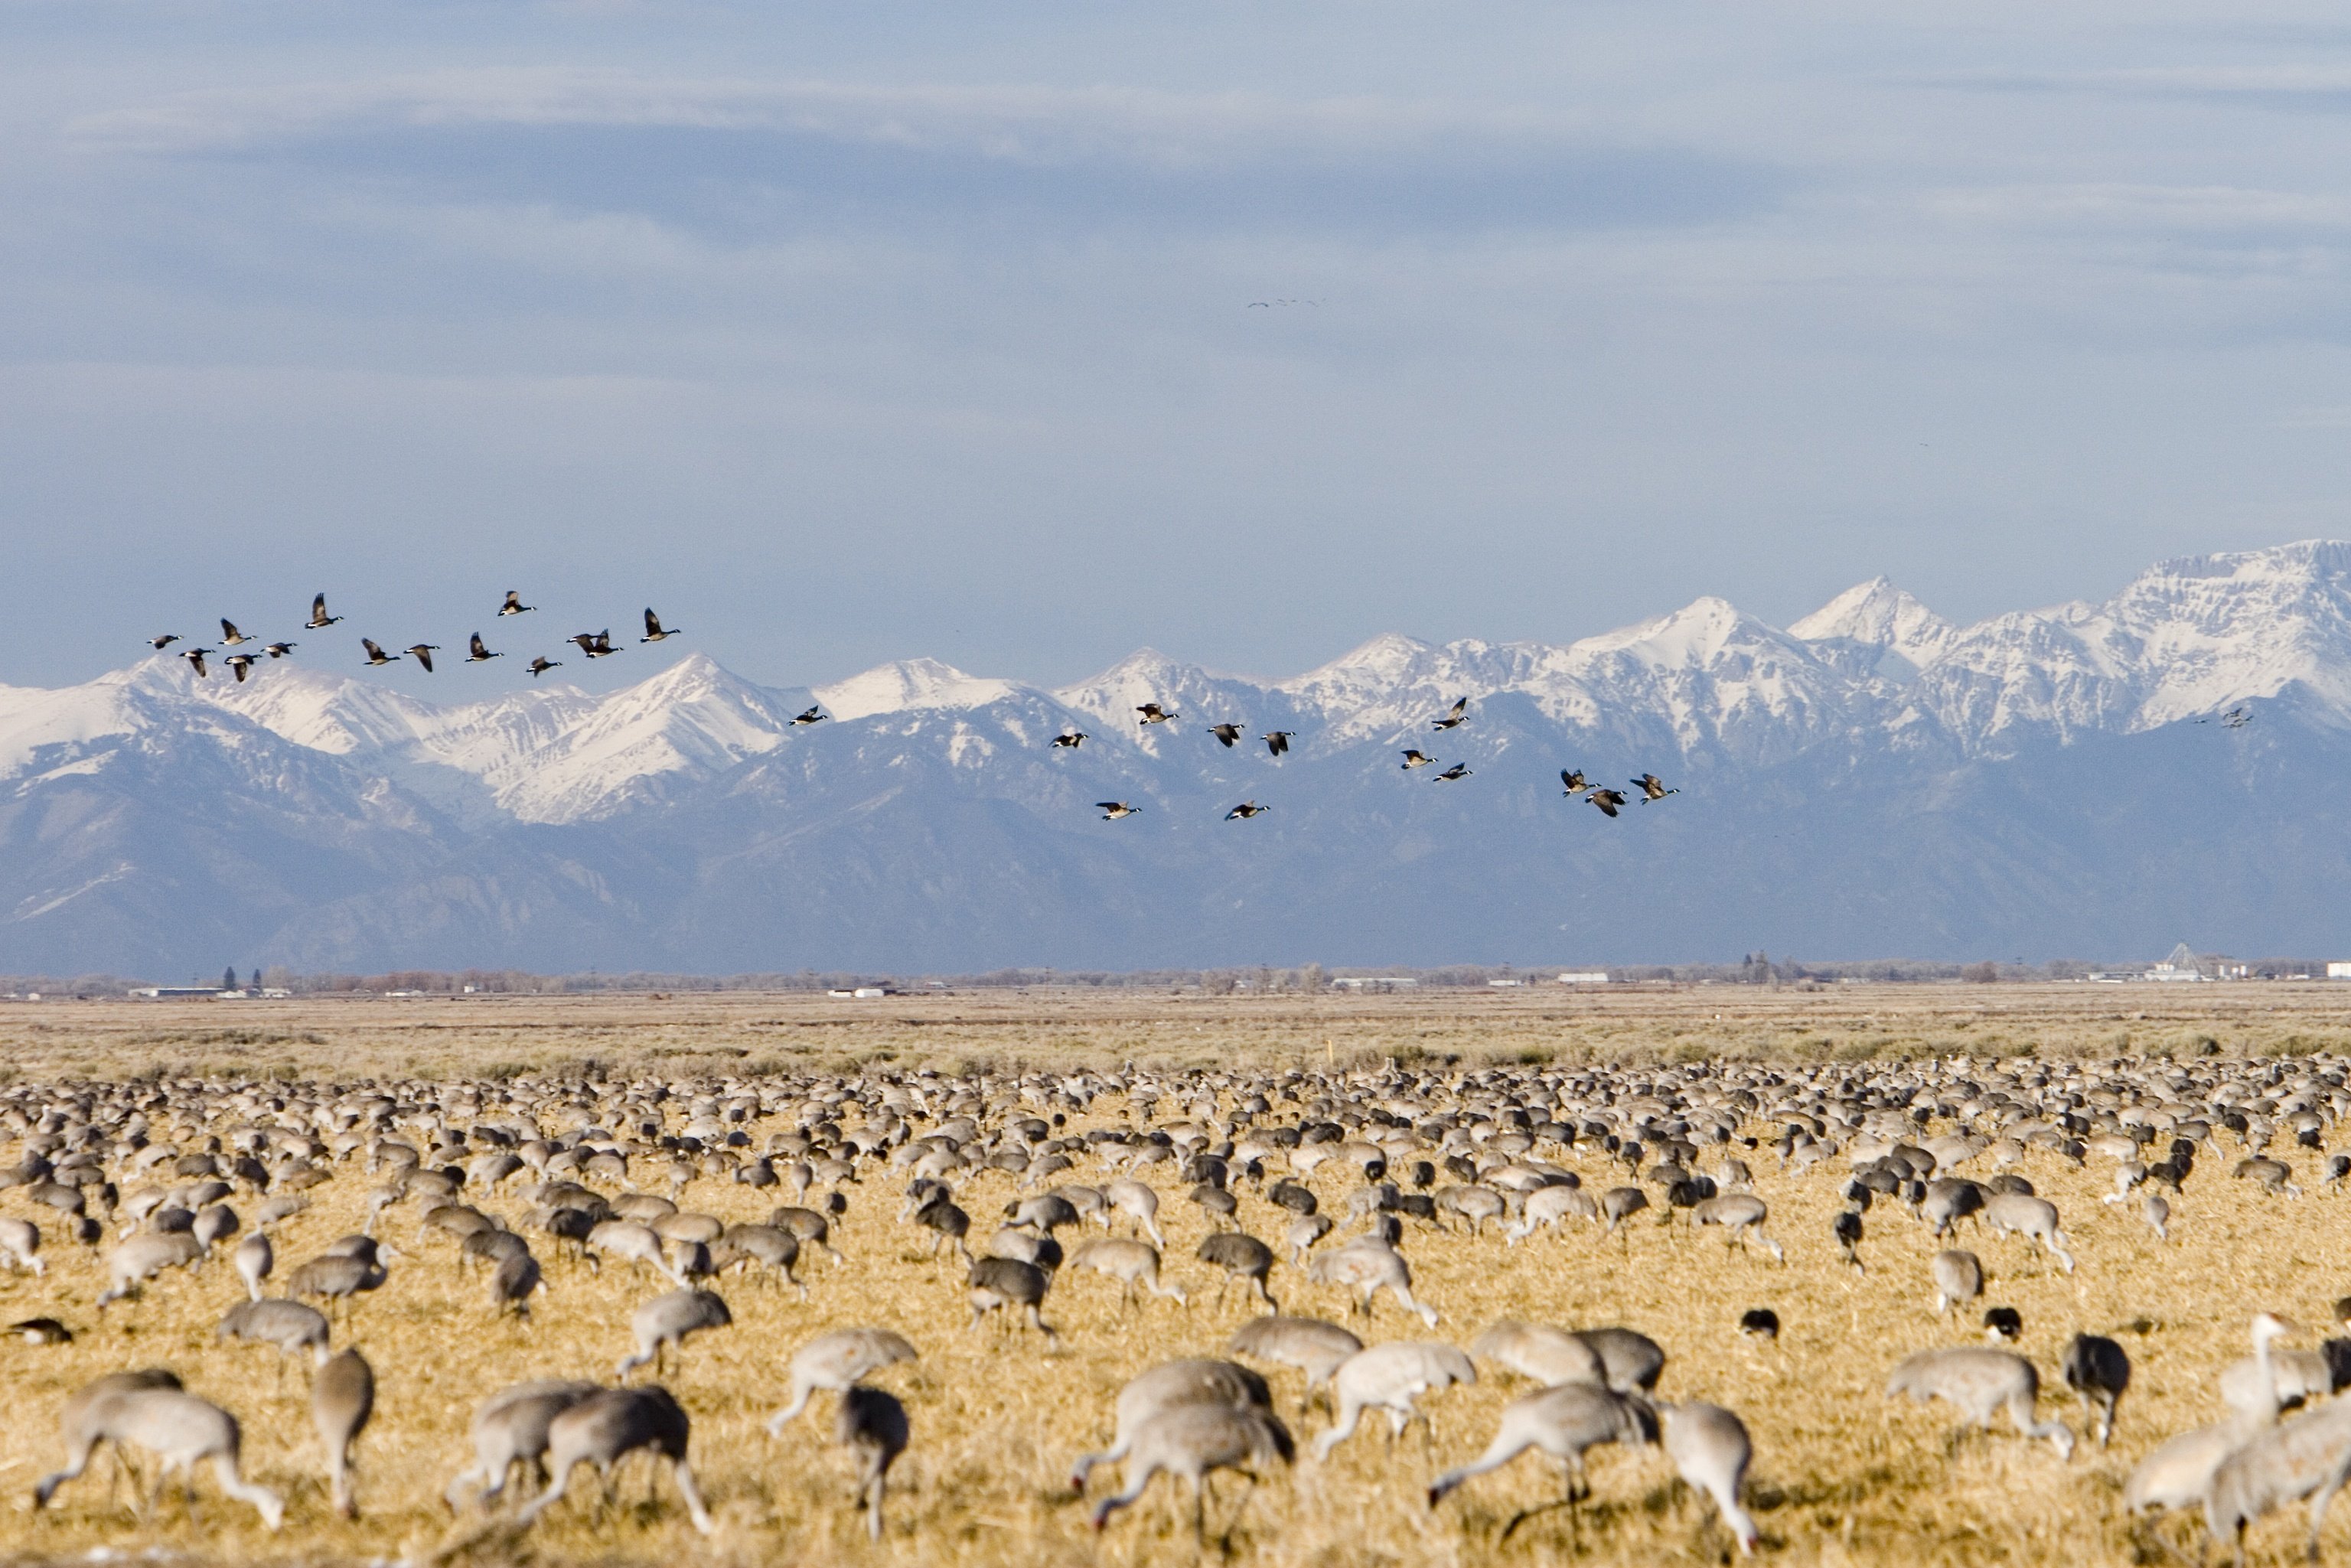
[[845, 333]]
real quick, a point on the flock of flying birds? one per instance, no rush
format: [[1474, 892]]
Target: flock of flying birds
[[1277, 741]]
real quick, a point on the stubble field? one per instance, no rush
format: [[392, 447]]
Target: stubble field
[[1840, 1473]]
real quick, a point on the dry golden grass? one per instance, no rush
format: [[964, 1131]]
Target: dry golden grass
[[1842, 1474]]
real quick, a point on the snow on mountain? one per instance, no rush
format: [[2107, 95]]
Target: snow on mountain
[[908, 684], [1876, 628]]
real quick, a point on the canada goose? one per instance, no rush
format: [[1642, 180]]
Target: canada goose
[[813, 715], [1112, 810], [1225, 733], [478, 653], [165, 640], [595, 644], [1277, 741], [514, 605], [195, 657], [279, 650], [654, 631], [422, 653], [1247, 810], [1574, 782], [1154, 713], [375, 656], [41, 1331], [1072, 739], [1415, 760], [1607, 801], [1454, 717], [540, 666], [1652, 788], [230, 634], [319, 620], [238, 664], [1759, 1322], [1458, 770], [2003, 1323]]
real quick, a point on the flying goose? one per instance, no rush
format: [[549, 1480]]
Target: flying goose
[[422, 653], [1112, 810], [1574, 781], [230, 634], [480, 654], [1277, 741], [514, 605], [1247, 810], [1607, 801], [238, 664], [1653, 788], [654, 632], [1072, 740], [595, 644], [1458, 770], [1228, 732], [165, 640], [279, 650], [320, 619], [195, 657], [541, 664], [1454, 717], [813, 715], [375, 656], [1154, 713], [1415, 760]]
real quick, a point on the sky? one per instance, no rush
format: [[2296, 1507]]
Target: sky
[[1021, 336]]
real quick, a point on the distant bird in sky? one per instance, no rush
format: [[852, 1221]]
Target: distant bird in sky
[[1458, 770], [319, 620], [1574, 782], [279, 650], [230, 634], [1247, 810], [514, 605], [1415, 760], [541, 664], [1652, 788], [813, 715], [480, 654], [375, 656], [1228, 732], [1454, 717], [238, 664], [1277, 741], [1112, 810], [595, 644], [1154, 713], [165, 640], [2238, 717], [1072, 739], [1607, 801], [195, 657], [422, 653], [653, 630]]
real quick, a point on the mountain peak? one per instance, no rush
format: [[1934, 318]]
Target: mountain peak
[[909, 683]]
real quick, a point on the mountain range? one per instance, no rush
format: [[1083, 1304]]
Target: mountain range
[[2093, 779]]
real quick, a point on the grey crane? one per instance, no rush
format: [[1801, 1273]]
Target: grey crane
[[999, 1282], [2095, 1368], [606, 1426], [836, 1361], [1981, 1381], [1710, 1450], [668, 1320], [1390, 1377], [1167, 1387], [342, 1397], [871, 1425], [1190, 1441], [176, 1428], [509, 1428]]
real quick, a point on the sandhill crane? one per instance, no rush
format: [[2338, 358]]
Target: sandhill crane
[[1550, 1206], [998, 1282], [515, 1281], [514, 605], [342, 1397], [319, 620], [1959, 1278], [871, 1425], [1608, 800], [1069, 740], [1846, 1228], [20, 1244], [375, 656], [1619, 1203], [609, 1424], [337, 1276], [1310, 1344], [667, 1320], [1710, 1450], [1277, 741], [1241, 1257], [541, 664], [2158, 1215], [2094, 1367], [230, 635], [1739, 1214], [1413, 760], [143, 1256], [2286, 1379], [638, 1244], [2021, 1214], [654, 631], [1979, 1381], [770, 1246], [1367, 1267], [836, 1361], [2176, 1471], [1112, 810], [1390, 1377], [1652, 788], [195, 657], [274, 1320], [1453, 715], [1156, 1390], [1191, 1440], [478, 652], [1631, 1361], [1550, 1356], [422, 653], [508, 1428], [1133, 1264], [1245, 810], [1565, 1422], [1154, 713], [2304, 1457], [1302, 1233], [1138, 1202], [175, 1426], [1225, 734]]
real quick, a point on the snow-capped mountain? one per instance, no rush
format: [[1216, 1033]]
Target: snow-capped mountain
[[1873, 779]]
